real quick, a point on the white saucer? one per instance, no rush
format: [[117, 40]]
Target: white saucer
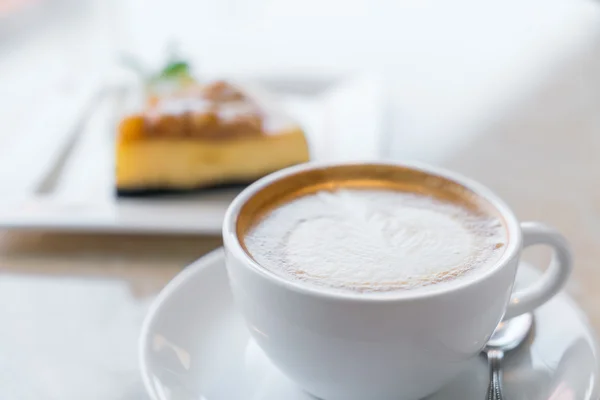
[[194, 346]]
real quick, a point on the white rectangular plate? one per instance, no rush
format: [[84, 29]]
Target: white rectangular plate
[[67, 184]]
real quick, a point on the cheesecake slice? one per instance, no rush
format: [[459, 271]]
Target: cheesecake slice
[[204, 136]]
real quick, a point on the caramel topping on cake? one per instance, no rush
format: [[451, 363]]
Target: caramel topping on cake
[[222, 91], [215, 111]]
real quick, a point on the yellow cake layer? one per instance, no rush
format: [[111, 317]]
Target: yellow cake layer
[[186, 163]]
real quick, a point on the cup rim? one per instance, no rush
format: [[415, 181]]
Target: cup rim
[[232, 243]]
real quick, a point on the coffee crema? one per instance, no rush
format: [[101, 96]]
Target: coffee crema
[[370, 236]]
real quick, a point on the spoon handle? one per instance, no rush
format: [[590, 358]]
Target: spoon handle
[[495, 388]]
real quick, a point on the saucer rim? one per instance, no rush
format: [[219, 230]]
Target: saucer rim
[[158, 303], [218, 254]]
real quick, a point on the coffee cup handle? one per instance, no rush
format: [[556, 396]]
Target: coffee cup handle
[[553, 279]]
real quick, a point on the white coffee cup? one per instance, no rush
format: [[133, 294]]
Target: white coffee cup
[[345, 346]]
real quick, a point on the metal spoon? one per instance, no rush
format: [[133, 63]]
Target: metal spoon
[[507, 336]]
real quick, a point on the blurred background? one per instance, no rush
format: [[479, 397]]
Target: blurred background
[[449, 68], [505, 92]]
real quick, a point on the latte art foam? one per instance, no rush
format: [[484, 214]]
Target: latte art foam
[[374, 240]]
